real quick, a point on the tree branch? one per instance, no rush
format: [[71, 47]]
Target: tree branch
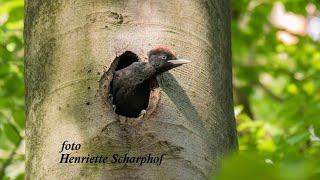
[[10, 159], [269, 92]]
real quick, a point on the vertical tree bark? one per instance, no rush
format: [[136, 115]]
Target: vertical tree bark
[[68, 47]]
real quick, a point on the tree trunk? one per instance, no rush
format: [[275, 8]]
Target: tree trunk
[[70, 50]]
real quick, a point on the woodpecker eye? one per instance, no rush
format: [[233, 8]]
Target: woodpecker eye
[[163, 57]]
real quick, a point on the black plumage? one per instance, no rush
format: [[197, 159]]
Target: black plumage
[[130, 86]]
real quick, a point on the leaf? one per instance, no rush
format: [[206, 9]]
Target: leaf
[[11, 134], [297, 138]]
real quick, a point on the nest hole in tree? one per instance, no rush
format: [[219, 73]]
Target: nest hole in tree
[[121, 62]]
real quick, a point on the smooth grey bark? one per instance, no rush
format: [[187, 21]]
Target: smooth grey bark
[[68, 47]]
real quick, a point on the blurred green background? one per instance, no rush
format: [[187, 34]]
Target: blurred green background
[[12, 108], [276, 74]]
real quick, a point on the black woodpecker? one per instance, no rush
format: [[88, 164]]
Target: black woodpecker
[[130, 89]]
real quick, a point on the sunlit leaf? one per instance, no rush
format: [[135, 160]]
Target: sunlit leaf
[[309, 87], [292, 88]]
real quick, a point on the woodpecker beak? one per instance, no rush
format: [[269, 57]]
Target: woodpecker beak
[[179, 61]]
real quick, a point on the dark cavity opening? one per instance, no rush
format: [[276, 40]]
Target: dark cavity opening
[[123, 61], [126, 59], [128, 97]]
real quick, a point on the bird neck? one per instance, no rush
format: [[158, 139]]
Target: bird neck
[[150, 71], [157, 68]]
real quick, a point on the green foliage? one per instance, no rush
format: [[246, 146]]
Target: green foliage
[[12, 119], [278, 118], [253, 166]]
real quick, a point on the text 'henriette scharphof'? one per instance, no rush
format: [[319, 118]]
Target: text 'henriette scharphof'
[[115, 159]]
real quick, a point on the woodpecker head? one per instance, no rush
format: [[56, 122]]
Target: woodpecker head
[[163, 60]]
